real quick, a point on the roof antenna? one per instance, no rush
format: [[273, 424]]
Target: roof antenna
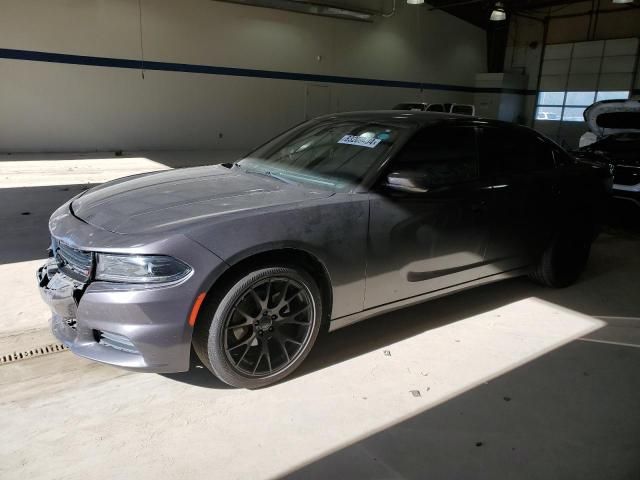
[[141, 45]]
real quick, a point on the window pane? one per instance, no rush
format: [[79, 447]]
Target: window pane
[[551, 98], [548, 113], [443, 155], [580, 98], [573, 114], [507, 150], [619, 95]]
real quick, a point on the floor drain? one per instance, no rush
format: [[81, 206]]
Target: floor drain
[[31, 353]]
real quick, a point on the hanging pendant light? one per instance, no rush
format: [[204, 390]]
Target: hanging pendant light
[[498, 14]]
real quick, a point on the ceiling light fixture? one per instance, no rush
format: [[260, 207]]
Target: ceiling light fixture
[[498, 14], [415, 2], [622, 1]]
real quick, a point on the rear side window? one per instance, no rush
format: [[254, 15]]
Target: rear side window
[[446, 155], [513, 151]]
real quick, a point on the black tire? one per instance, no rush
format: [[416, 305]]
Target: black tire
[[217, 328], [565, 258]]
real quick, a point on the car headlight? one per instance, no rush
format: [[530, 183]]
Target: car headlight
[[139, 268]]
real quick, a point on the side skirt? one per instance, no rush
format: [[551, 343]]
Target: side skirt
[[338, 323]]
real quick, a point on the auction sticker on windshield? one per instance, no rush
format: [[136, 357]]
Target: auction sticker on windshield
[[359, 141]]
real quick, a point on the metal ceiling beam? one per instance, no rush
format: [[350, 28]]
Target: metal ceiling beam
[[310, 8], [514, 6], [456, 4], [527, 5]]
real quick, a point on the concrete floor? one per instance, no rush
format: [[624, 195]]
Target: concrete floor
[[509, 380]]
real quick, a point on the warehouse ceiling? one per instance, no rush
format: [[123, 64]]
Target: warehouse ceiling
[[362, 10], [476, 12]]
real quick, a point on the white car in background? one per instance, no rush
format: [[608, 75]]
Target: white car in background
[[614, 138], [547, 116], [457, 108]]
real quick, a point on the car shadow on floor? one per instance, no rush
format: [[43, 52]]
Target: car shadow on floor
[[383, 330], [198, 375], [24, 214], [571, 413]]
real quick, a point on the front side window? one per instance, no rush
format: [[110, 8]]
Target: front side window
[[515, 151], [335, 154], [444, 155]]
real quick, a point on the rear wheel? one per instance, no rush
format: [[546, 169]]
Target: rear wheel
[[262, 328], [564, 260]]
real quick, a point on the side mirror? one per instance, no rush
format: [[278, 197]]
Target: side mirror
[[407, 182]]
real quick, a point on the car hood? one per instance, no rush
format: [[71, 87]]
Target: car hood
[[171, 199], [610, 117]]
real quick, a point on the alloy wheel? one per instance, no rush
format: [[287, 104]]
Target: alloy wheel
[[269, 326]]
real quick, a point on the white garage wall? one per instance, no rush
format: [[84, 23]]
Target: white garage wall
[[64, 107]]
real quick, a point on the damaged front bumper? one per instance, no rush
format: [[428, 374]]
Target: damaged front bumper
[[132, 326], [136, 327], [63, 294]]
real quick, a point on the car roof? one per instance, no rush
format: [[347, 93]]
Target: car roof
[[414, 118]]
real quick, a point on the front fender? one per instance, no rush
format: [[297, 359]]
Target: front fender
[[333, 230]]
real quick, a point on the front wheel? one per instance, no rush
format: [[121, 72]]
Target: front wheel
[[262, 328], [565, 258]]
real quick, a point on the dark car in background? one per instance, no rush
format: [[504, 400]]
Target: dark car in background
[[249, 262], [614, 138]]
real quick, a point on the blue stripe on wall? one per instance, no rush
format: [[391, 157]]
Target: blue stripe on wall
[[35, 56]]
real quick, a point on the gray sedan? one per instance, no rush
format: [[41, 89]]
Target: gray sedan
[[339, 219]]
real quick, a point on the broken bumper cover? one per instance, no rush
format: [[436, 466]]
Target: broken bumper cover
[[142, 330], [137, 327]]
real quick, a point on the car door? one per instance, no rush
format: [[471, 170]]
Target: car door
[[421, 242], [526, 190]]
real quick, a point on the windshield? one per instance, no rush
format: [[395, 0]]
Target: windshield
[[333, 153]]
